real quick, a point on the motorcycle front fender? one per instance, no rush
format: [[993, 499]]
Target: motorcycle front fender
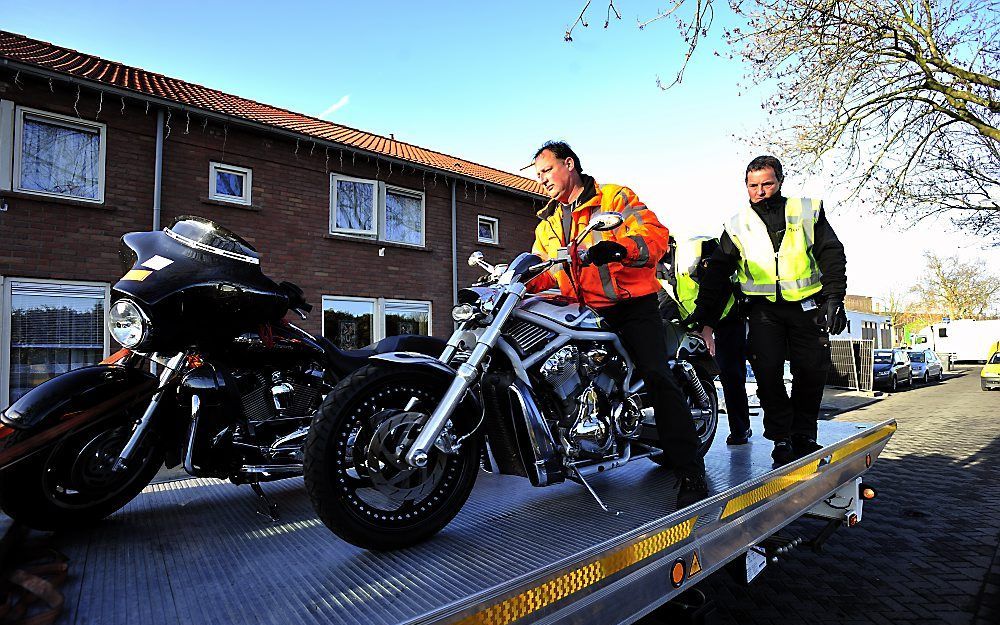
[[470, 406], [67, 402]]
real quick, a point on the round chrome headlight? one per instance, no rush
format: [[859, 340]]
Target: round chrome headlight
[[463, 312], [127, 323]]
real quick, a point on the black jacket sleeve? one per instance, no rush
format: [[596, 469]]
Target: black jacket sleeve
[[829, 254], [716, 286]]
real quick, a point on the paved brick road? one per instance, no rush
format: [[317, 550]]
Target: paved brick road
[[924, 550]]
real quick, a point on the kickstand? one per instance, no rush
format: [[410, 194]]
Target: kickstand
[[265, 506], [594, 494]]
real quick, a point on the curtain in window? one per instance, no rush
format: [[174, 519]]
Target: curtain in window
[[53, 328], [60, 159], [404, 218]]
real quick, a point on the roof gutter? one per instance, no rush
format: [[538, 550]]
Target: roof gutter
[[136, 95]]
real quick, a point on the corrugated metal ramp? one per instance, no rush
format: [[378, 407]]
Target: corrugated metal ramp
[[195, 551]]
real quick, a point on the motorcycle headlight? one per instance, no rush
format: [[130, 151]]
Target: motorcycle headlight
[[463, 312], [127, 323]]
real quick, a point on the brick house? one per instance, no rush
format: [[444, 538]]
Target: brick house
[[375, 231]]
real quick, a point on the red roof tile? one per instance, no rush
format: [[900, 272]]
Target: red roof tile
[[19, 48]]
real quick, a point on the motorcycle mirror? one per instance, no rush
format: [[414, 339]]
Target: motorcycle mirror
[[608, 221], [475, 258], [602, 222]]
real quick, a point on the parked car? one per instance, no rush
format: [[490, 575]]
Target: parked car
[[925, 365], [892, 368], [989, 377]]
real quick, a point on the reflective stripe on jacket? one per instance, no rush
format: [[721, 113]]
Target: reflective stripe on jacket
[[642, 235], [792, 269], [687, 257]]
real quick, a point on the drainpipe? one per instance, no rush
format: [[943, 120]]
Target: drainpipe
[[158, 170], [454, 244]]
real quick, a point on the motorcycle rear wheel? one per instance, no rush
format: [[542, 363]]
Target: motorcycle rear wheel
[[70, 484], [358, 482], [705, 428]]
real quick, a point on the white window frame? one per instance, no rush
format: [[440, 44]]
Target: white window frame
[[496, 229], [214, 168], [60, 120], [377, 203], [377, 233], [6, 144], [378, 322], [430, 313], [420, 195], [6, 285]]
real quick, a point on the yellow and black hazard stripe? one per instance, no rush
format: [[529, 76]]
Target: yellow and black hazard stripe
[[806, 472], [580, 578]]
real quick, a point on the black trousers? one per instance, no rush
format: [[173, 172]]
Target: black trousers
[[780, 330], [730, 353], [637, 322]]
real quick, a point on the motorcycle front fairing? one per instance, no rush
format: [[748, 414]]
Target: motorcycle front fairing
[[183, 285]]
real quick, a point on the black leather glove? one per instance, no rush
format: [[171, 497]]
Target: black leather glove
[[604, 252], [834, 317]]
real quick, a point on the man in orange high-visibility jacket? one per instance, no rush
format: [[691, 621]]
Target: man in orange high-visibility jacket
[[619, 281]]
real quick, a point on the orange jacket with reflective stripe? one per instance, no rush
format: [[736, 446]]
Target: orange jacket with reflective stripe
[[642, 235]]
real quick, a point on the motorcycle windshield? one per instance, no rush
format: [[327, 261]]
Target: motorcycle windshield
[[191, 252]]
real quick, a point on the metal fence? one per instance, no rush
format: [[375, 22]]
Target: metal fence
[[853, 365]]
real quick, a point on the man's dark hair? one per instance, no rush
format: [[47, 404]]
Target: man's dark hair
[[562, 150], [763, 162]]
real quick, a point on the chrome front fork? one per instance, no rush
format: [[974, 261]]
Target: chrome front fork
[[170, 369], [467, 374]]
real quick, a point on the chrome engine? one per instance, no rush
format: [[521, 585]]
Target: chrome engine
[[595, 424]]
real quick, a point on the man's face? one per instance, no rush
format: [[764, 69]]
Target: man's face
[[557, 175], [762, 184]]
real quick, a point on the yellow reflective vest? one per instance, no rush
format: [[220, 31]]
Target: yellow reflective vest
[[792, 270], [687, 257]]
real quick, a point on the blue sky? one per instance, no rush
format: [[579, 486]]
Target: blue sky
[[487, 81]]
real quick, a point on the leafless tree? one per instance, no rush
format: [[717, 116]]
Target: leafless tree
[[901, 98], [962, 289], [906, 308]]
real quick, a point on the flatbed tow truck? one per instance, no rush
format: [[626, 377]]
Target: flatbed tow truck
[[196, 551]]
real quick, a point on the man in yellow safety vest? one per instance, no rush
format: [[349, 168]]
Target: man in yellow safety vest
[[791, 267], [680, 271]]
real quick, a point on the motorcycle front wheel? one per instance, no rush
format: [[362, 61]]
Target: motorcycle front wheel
[[355, 474], [71, 484]]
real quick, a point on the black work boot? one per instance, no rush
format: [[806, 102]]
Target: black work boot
[[693, 488], [783, 452], [739, 438], [804, 445]]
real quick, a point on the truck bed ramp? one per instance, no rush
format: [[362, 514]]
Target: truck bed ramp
[[195, 551]]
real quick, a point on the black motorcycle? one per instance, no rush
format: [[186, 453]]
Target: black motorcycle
[[211, 376]]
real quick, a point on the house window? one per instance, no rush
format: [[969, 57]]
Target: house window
[[354, 322], [59, 156], [489, 230], [943, 333], [229, 183], [402, 317], [368, 208], [54, 327]]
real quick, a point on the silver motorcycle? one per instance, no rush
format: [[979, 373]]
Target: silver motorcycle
[[533, 385]]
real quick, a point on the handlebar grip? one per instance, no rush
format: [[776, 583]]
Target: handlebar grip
[[584, 256]]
